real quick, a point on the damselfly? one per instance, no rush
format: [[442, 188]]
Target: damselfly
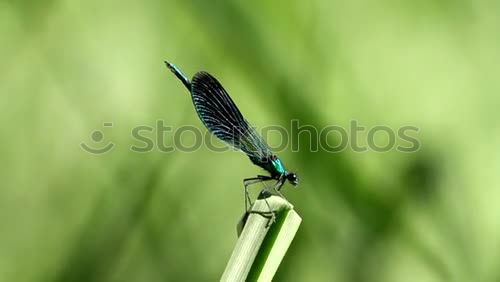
[[222, 118]]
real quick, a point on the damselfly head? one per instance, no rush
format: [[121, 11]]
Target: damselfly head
[[293, 178]]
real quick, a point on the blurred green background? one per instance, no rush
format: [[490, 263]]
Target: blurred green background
[[68, 66]]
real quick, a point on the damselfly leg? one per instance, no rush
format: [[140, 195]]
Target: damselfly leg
[[248, 202], [277, 187], [250, 181]]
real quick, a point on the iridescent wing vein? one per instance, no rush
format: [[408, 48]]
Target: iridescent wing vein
[[223, 119]]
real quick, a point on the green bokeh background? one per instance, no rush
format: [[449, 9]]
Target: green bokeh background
[[68, 66]]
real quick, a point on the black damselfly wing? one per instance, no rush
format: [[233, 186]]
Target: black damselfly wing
[[222, 118]]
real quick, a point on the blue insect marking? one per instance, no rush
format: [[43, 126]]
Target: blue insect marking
[[279, 166], [175, 68]]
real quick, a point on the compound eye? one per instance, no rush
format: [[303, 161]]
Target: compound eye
[[292, 177]]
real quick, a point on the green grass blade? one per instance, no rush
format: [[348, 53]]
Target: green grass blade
[[261, 247]]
